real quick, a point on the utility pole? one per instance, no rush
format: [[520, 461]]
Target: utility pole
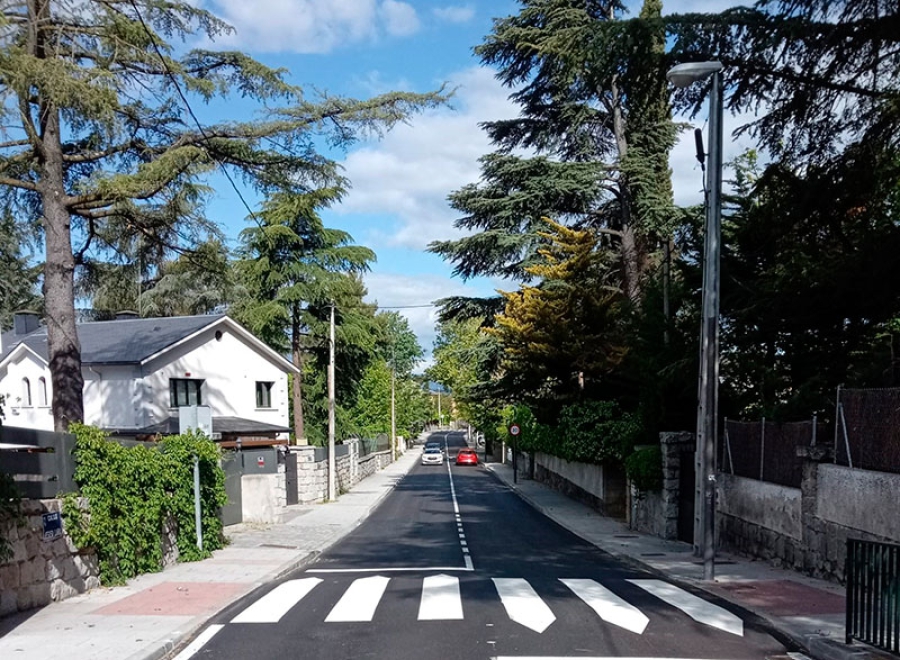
[[393, 408], [332, 494]]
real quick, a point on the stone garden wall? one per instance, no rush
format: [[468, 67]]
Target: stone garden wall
[[45, 566]]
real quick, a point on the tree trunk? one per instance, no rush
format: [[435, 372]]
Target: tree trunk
[[63, 347], [297, 381], [631, 257]]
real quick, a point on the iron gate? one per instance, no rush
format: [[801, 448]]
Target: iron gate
[[873, 594]]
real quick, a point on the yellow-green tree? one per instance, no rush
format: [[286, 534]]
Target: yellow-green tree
[[562, 334]]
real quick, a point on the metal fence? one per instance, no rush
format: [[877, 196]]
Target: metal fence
[[380, 442], [766, 451], [867, 433], [873, 594]]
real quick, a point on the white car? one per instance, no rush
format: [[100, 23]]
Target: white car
[[432, 456]]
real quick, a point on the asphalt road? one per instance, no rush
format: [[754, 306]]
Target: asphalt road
[[453, 565]]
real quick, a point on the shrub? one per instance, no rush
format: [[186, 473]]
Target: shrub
[[132, 493], [644, 468]]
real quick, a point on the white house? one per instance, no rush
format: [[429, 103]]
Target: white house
[[139, 371]]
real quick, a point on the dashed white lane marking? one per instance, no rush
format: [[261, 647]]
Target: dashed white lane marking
[[199, 642], [440, 599], [608, 605], [523, 605], [275, 604], [696, 608], [359, 601], [467, 557]]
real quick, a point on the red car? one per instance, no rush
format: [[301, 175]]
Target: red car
[[466, 457]]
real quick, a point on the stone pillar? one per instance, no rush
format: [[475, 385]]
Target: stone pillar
[[673, 445], [812, 529], [353, 443]]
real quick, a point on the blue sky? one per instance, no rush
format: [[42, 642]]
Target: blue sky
[[397, 203]]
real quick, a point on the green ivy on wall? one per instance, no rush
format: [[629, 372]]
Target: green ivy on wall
[[133, 491], [9, 510]]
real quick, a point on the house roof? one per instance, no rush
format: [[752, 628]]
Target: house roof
[[131, 341], [223, 425]]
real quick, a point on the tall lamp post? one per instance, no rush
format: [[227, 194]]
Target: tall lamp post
[[684, 75]]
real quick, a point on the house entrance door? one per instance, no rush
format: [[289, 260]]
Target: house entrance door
[[232, 512], [290, 477]]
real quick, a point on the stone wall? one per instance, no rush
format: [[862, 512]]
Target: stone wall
[[601, 487], [657, 513], [350, 469], [40, 570]]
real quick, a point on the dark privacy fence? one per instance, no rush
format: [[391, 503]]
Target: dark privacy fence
[[873, 594], [766, 451]]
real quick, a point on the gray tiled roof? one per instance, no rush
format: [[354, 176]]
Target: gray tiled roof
[[125, 341]]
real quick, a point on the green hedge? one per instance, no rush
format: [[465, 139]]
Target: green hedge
[[132, 491], [589, 432]]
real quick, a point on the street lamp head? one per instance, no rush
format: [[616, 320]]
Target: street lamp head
[[682, 75]]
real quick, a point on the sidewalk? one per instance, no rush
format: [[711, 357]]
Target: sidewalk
[[807, 612], [155, 613]]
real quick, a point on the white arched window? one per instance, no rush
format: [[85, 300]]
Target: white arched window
[[26, 393], [42, 391]]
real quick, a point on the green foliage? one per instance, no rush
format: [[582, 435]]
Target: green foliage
[[9, 511], [590, 432], [644, 468], [133, 492]]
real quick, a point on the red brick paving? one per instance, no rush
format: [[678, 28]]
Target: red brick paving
[[176, 599], [785, 597]]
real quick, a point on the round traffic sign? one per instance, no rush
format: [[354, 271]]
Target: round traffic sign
[[514, 429]]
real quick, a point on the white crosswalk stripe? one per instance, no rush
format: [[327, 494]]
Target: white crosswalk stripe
[[359, 601], [441, 601], [608, 606], [698, 609], [523, 605], [275, 604]]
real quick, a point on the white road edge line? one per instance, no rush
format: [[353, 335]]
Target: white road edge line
[[199, 642]]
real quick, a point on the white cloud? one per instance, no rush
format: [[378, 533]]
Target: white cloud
[[455, 13], [399, 18], [311, 26], [411, 291], [412, 170]]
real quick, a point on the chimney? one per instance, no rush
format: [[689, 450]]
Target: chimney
[[126, 315], [25, 322]]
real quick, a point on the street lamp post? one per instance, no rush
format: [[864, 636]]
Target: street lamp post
[[684, 75]]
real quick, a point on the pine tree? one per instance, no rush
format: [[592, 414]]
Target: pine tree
[[292, 265], [108, 147]]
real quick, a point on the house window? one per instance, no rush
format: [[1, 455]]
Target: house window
[[264, 394], [185, 392], [42, 391], [26, 393]]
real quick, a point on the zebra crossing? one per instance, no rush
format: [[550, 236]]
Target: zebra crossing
[[441, 600]]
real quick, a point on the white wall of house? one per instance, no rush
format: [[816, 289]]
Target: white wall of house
[[132, 396], [229, 368], [20, 411]]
